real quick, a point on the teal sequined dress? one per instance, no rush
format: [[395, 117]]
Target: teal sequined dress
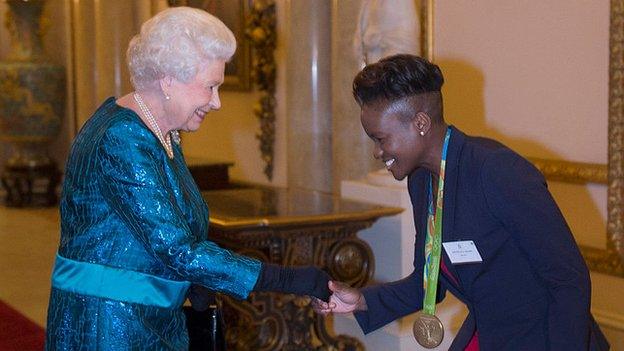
[[133, 238]]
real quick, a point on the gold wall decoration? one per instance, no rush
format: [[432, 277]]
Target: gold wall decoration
[[426, 28], [571, 172], [615, 203], [263, 37], [610, 260]]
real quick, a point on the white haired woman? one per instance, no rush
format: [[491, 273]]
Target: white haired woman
[[133, 223]]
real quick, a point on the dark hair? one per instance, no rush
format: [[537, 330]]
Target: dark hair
[[396, 77]]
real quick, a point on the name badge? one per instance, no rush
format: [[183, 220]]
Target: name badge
[[462, 252]]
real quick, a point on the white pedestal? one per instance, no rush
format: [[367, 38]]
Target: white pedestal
[[392, 242]]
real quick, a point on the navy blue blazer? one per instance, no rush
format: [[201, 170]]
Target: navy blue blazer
[[532, 290]]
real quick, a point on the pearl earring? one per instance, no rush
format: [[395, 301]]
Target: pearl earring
[[167, 97], [422, 133]]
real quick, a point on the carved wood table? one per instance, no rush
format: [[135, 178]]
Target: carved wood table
[[210, 174], [292, 228]]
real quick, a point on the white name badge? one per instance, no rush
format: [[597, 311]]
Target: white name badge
[[462, 252]]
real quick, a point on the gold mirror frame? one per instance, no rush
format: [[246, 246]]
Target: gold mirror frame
[[237, 70], [610, 260], [426, 28]]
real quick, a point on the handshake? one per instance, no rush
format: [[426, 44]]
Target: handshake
[[327, 295], [343, 299]]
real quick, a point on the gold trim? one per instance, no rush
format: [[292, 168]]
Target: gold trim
[[430, 30], [230, 223], [571, 172], [426, 27], [262, 34], [241, 80], [611, 260], [603, 261], [615, 200]]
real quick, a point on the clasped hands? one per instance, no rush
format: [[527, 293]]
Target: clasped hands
[[344, 299]]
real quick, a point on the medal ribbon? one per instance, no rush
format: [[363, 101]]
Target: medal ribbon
[[433, 241]]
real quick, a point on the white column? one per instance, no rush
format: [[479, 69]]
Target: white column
[[101, 31], [352, 149], [308, 95]]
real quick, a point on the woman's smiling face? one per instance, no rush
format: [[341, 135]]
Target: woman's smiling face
[[190, 102], [396, 138]]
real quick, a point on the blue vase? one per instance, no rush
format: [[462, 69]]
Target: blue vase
[[32, 101]]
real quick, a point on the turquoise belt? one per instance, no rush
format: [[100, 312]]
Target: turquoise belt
[[117, 284]]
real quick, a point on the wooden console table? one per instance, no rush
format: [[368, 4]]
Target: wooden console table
[[292, 228], [210, 174]]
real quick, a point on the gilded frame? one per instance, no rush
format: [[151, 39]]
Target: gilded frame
[[610, 260], [426, 28], [238, 70]]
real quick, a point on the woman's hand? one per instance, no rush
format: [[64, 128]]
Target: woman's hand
[[344, 299]]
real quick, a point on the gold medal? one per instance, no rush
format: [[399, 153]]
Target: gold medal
[[428, 330]]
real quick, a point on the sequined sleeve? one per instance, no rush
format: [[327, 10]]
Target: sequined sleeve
[[134, 184]]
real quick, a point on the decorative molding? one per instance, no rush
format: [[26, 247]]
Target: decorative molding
[[262, 33], [571, 172], [609, 319], [610, 260], [426, 29], [615, 201], [603, 261]]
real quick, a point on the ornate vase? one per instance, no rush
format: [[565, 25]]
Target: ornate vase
[[32, 103]]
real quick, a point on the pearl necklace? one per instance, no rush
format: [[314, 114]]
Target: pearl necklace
[[166, 142]]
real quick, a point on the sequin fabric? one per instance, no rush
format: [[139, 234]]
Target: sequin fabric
[[125, 204]]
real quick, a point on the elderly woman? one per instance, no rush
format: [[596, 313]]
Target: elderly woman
[[133, 223]]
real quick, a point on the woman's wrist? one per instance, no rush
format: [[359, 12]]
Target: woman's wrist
[[306, 280], [361, 305]]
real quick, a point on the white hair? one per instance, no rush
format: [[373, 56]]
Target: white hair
[[175, 43]]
